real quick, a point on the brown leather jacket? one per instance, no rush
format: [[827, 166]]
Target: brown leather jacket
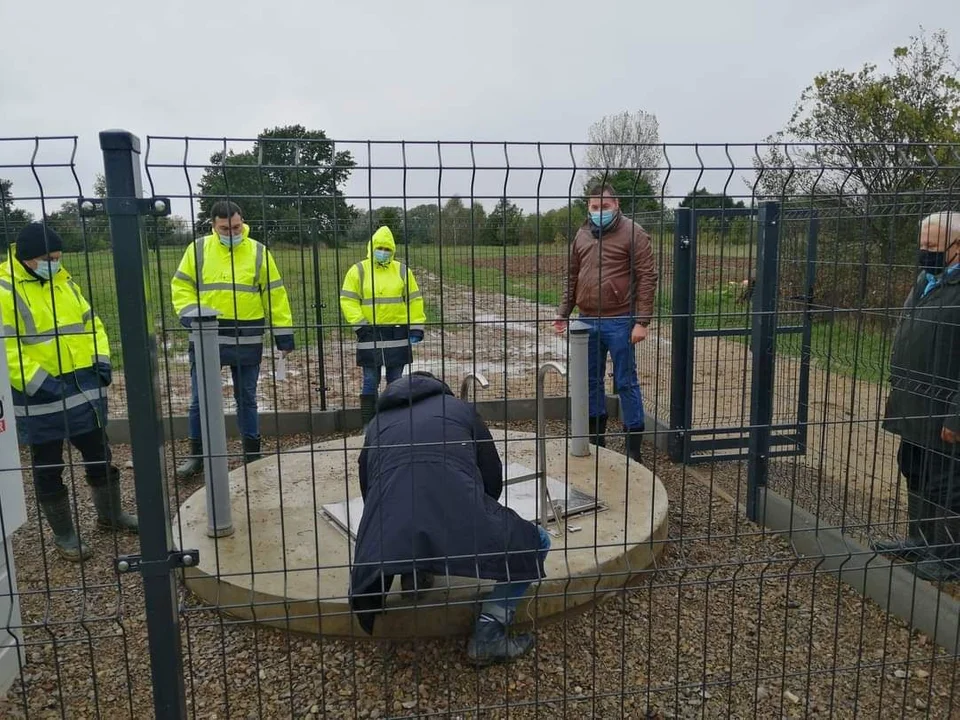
[[613, 274]]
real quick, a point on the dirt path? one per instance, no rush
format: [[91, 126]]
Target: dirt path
[[848, 470]]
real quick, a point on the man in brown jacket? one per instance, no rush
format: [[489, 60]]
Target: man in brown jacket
[[612, 280]]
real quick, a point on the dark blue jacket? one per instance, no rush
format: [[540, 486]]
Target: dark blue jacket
[[73, 404], [430, 477]]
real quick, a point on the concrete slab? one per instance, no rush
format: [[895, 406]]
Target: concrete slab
[[287, 565]]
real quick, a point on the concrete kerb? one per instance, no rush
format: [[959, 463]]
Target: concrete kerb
[[897, 590], [333, 421]]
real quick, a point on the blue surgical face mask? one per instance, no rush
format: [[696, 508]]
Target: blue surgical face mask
[[230, 240], [47, 268], [603, 218], [382, 256]]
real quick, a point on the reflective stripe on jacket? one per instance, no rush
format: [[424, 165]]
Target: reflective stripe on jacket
[[244, 285], [58, 354], [384, 305]]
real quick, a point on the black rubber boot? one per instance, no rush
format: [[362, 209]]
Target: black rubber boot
[[916, 545], [490, 642], [634, 444], [57, 511], [106, 499], [416, 583], [192, 464], [597, 428], [368, 408], [251, 450]]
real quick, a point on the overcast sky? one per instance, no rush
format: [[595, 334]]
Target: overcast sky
[[452, 70]]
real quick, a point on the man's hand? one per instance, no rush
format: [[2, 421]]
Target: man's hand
[[949, 436], [638, 334], [560, 326]]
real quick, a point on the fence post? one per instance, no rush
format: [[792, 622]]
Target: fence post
[[762, 344], [681, 336], [213, 427], [579, 389], [318, 307], [121, 164]]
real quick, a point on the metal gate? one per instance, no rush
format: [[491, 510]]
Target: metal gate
[[765, 315]]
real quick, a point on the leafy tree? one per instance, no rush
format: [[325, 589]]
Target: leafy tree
[[422, 224], [626, 141], [392, 217], [734, 227], [503, 225], [462, 224], [872, 141], [12, 218], [291, 176], [703, 198], [567, 220]]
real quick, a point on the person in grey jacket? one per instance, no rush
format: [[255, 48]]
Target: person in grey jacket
[[924, 404]]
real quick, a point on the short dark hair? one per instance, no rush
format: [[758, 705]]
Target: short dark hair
[[601, 188], [225, 209]]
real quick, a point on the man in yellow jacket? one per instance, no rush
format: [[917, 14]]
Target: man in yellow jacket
[[235, 275], [59, 363], [381, 301]]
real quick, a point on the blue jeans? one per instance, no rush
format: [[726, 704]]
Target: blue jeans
[[244, 392], [612, 335], [509, 593], [371, 378]]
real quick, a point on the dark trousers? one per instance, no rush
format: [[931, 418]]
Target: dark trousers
[[933, 475], [48, 464], [933, 479], [245, 379]]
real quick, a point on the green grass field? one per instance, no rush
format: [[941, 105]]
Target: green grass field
[[522, 272]]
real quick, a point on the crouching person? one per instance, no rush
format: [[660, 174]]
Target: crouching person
[[59, 364], [430, 477]]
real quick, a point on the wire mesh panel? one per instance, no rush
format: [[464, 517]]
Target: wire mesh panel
[[657, 597], [73, 633]]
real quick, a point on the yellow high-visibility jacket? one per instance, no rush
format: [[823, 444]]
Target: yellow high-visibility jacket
[[375, 294], [384, 305], [58, 353], [244, 284]]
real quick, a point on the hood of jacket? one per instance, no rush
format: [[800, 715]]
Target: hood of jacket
[[409, 390], [382, 238]]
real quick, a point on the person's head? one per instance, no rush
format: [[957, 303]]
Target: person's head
[[602, 204], [383, 246], [227, 220], [40, 249], [940, 240]]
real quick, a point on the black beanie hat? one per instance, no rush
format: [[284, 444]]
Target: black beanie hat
[[33, 241]]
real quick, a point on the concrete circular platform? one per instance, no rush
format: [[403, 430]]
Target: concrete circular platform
[[287, 564]]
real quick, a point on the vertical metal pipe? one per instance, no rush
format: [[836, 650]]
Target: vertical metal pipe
[[579, 389], [213, 429], [544, 503], [477, 379]]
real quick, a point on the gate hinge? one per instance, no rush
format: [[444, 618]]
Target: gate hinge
[[155, 207], [176, 559]]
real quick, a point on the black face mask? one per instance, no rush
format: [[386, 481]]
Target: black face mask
[[931, 261]]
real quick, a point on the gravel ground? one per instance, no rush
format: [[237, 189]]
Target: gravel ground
[[731, 624]]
